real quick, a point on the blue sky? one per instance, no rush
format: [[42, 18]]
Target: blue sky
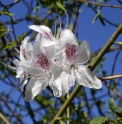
[[96, 34]]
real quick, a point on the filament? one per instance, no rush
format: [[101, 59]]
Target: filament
[[67, 19]]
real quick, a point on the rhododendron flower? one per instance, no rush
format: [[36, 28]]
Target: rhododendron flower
[[71, 60], [41, 70], [23, 62], [55, 61]]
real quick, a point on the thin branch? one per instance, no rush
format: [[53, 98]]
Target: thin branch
[[93, 65], [9, 5], [68, 110], [4, 119], [13, 31], [120, 1], [110, 77], [102, 5]]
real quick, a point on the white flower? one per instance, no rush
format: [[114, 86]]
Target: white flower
[[55, 61], [71, 60], [23, 62], [42, 71]]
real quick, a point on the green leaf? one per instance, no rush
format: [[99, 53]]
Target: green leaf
[[3, 32], [6, 13], [101, 19], [112, 103], [60, 6], [10, 45], [61, 122], [70, 26], [37, 7], [99, 120], [114, 122], [119, 114], [65, 118], [95, 18], [99, 1]]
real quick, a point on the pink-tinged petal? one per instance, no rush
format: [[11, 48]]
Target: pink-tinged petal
[[42, 61], [70, 51], [23, 55], [33, 88], [87, 78], [43, 30], [67, 37], [83, 52], [42, 42]]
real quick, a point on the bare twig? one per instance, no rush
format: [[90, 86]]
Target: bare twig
[[4, 119], [102, 5], [110, 77], [68, 110]]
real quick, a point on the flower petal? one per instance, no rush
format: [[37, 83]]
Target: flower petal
[[33, 88], [64, 83], [83, 52], [23, 84], [57, 88], [40, 28], [87, 78], [67, 37]]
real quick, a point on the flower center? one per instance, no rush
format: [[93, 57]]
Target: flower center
[[42, 61], [70, 51]]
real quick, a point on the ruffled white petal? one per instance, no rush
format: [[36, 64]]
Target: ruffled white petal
[[64, 83], [33, 88], [83, 52], [57, 88], [87, 78]]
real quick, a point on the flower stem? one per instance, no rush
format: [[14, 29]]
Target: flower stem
[[68, 110], [4, 119], [93, 65]]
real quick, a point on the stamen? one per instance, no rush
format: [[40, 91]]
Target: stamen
[[67, 19], [42, 61], [70, 51], [17, 50], [17, 57], [61, 67], [55, 30], [60, 24], [48, 35], [43, 79]]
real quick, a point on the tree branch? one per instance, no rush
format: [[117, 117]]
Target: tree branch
[[102, 5], [93, 65], [3, 118], [110, 77]]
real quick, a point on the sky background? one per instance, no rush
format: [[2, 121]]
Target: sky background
[[96, 34]]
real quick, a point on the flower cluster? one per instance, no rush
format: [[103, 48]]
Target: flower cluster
[[57, 62]]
